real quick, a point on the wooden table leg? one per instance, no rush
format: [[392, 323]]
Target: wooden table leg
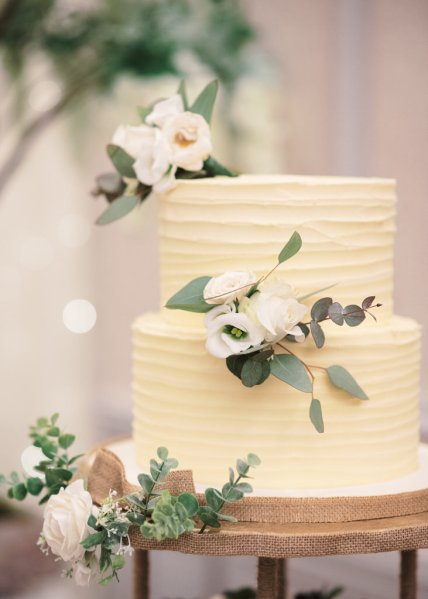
[[271, 578], [408, 574], [141, 574]]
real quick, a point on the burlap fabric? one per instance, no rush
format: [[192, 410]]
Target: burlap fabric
[[108, 472]]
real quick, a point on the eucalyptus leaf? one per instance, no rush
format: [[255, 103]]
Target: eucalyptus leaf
[[292, 371], [136, 518], [319, 310], [236, 362], [315, 414], [342, 379], [191, 297], [317, 334], [231, 494], [335, 311], [253, 460], [162, 453], [353, 315], [182, 91], [134, 500], [368, 302], [214, 499], [254, 372], [242, 467], [95, 539], [119, 208], [213, 168], [34, 485], [146, 483], [208, 516], [204, 103], [121, 160], [65, 441], [190, 502], [20, 491], [291, 248], [244, 487], [227, 517]]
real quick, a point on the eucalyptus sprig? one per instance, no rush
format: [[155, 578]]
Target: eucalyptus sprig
[[254, 364], [56, 470]]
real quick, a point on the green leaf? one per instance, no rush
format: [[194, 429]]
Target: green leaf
[[335, 311], [121, 160], [191, 297], [319, 310], [263, 355], [65, 441], [213, 168], [214, 499], [135, 518], [190, 502], [54, 418], [342, 379], [34, 485], [291, 248], [208, 516], [253, 460], [53, 431], [95, 539], [117, 209], [315, 414], [254, 372], [144, 111], [118, 562], [42, 422], [171, 463], [353, 315], [146, 483], [244, 487], [14, 477], [368, 302], [92, 521], [2, 479], [20, 491], [182, 91], [162, 453], [204, 103], [291, 370], [134, 500], [231, 493], [227, 518], [105, 559], [242, 467], [235, 363], [317, 334]]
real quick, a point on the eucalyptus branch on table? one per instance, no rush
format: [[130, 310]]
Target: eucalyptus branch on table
[[249, 318], [92, 540]]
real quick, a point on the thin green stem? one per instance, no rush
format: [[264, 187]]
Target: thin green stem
[[222, 505]]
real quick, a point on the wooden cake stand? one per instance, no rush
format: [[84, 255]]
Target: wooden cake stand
[[307, 527]]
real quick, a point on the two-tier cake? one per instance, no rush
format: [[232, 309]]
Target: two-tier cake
[[186, 399]]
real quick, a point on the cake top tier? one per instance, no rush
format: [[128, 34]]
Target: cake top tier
[[209, 226]]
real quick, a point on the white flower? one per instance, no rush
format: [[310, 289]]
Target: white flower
[[82, 574], [31, 457], [132, 139], [228, 287], [167, 182], [189, 137], [278, 315], [165, 109], [277, 287], [153, 159], [230, 332], [65, 521]]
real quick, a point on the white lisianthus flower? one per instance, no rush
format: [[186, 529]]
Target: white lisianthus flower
[[132, 139], [230, 332], [189, 137], [82, 574], [30, 458], [165, 109], [153, 160], [274, 286], [228, 287], [66, 521], [278, 315]]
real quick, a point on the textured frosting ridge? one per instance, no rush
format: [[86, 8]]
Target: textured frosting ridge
[[187, 399]]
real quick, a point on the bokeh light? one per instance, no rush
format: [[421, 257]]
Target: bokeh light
[[79, 316]]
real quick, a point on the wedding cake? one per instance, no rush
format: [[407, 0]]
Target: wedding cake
[[186, 398]]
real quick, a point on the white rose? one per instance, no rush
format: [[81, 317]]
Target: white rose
[[82, 574], [166, 183], [153, 158], [132, 139], [165, 109], [279, 316], [65, 521], [275, 286], [230, 332], [189, 137], [31, 457], [229, 287]]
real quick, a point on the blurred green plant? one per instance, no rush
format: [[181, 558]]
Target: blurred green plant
[[90, 47]]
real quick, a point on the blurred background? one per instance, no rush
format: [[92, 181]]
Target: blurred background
[[333, 87]]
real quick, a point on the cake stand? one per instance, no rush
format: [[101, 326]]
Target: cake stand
[[386, 517]]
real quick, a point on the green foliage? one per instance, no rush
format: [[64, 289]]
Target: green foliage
[[317, 334], [315, 414], [170, 519], [254, 372], [204, 103], [292, 371], [213, 168], [119, 208], [55, 472], [291, 248], [342, 379], [191, 297], [121, 160]]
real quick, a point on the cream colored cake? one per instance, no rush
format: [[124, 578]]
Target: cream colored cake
[[186, 399]]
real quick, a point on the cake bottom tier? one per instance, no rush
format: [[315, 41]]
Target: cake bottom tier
[[188, 401]]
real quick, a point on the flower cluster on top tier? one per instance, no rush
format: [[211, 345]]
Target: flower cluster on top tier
[[250, 321], [172, 142]]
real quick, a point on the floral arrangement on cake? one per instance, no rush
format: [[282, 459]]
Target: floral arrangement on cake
[[93, 540], [172, 142], [248, 319]]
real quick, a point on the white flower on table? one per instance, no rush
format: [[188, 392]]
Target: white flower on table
[[228, 287], [66, 521], [276, 309], [230, 332]]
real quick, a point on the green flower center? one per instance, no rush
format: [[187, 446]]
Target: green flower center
[[234, 332]]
